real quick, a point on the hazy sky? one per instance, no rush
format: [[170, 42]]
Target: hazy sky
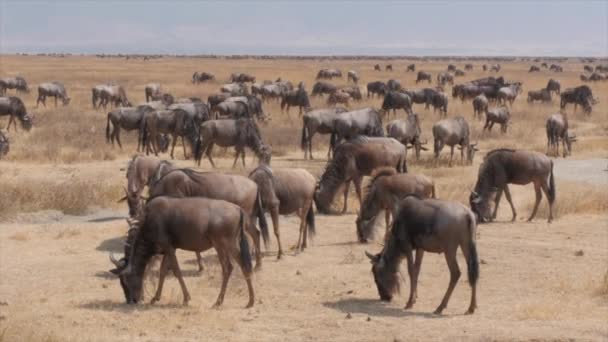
[[310, 27]]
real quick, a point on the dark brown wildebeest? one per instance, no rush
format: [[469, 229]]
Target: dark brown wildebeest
[[553, 86], [468, 67], [202, 77], [4, 144], [176, 122], [52, 89], [411, 67], [192, 224], [451, 67], [233, 109], [581, 95], [508, 93], [14, 108], [295, 98], [241, 78], [128, 119], [321, 88], [484, 67], [534, 68], [338, 97], [588, 68], [215, 99], [239, 133], [287, 191], [407, 132], [480, 105], [328, 74], [352, 76], [377, 67], [352, 160], [152, 91], [18, 83], [497, 115], [557, 129], [556, 68], [318, 121], [383, 193], [378, 88], [459, 73], [431, 225], [544, 65], [453, 131], [444, 78], [423, 76], [349, 125], [396, 100], [502, 167], [542, 95], [389, 67], [393, 85], [253, 107], [353, 91], [439, 101]]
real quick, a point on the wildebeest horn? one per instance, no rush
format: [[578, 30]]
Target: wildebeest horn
[[426, 141], [115, 262], [370, 256]]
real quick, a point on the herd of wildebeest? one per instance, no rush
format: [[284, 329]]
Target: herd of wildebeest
[[197, 211]]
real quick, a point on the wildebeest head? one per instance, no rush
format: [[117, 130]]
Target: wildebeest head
[[365, 227], [386, 280], [26, 122], [66, 101], [4, 144], [130, 283], [569, 140], [134, 201], [480, 206]]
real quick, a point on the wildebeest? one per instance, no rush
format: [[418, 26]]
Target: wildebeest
[[198, 110], [453, 131], [318, 121], [4, 144], [439, 101], [235, 89], [127, 118], [557, 129], [504, 166], [459, 72], [542, 95], [411, 67], [431, 225], [389, 67], [239, 133], [480, 105], [52, 89], [495, 68], [276, 90], [581, 95], [241, 78], [353, 91], [233, 110], [287, 191], [588, 68], [509, 93], [202, 77], [423, 76], [395, 100], [544, 65], [378, 88], [601, 68], [393, 85], [554, 86], [352, 160], [320, 88], [407, 132], [254, 106], [295, 98], [377, 67], [194, 224], [499, 115], [534, 68], [556, 68], [176, 122], [383, 193], [109, 93], [152, 90], [215, 99], [18, 83], [484, 67], [328, 73], [348, 125], [338, 97], [353, 76], [468, 67], [445, 77], [15, 109]]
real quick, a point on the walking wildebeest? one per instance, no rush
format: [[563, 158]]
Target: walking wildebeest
[[241, 78], [353, 76], [439, 101], [431, 225], [553, 86], [377, 67], [287, 191], [193, 224], [348, 125], [18, 83], [321, 88], [444, 78], [396, 100], [504, 166], [338, 97], [152, 91], [542, 95], [296, 98], [379, 88], [239, 133], [499, 115], [459, 72], [14, 108], [129, 119], [453, 131], [393, 85], [353, 91], [328, 74], [389, 67], [468, 67], [52, 89], [4, 144], [557, 129], [423, 76], [411, 67], [480, 105], [318, 121], [110, 93], [534, 68], [383, 193], [556, 68], [407, 132], [508, 93], [176, 122], [580, 95], [202, 77], [352, 160]]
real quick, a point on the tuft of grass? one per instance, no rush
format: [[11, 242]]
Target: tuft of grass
[[20, 237]]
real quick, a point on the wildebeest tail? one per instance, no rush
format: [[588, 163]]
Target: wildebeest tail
[[332, 140], [304, 134], [310, 220], [551, 192], [245, 252], [473, 262], [262, 218], [108, 129]]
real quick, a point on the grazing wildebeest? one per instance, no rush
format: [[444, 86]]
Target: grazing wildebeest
[[499, 115], [554, 86], [379, 88], [580, 95], [176, 122], [423, 76], [193, 224], [504, 166], [348, 125], [534, 68], [383, 193], [295, 98], [542, 95], [557, 129], [352, 160], [198, 110], [14, 108], [4, 144], [421, 95], [284, 192], [338, 97], [556, 68], [406, 132], [276, 90], [509, 93], [480, 105], [468, 67], [411, 67], [353, 76], [353, 91], [431, 225], [17, 83], [52, 89], [495, 68], [393, 85], [445, 77], [239, 133], [127, 118], [254, 106], [232, 110], [215, 99], [202, 77], [241, 78], [439, 101], [588, 68], [595, 76], [112, 94], [544, 65], [377, 67], [235, 89], [451, 67], [318, 121], [396, 100], [601, 68], [453, 131], [459, 72], [320, 88], [328, 73], [389, 67]]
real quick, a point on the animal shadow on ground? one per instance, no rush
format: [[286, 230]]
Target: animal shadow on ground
[[106, 219], [374, 307], [114, 306], [115, 245]]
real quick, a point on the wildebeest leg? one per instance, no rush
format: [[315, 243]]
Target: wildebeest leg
[[55, 102], [164, 268], [226, 271], [304, 225], [497, 200], [274, 215], [236, 157], [539, 196], [508, 196], [414, 271], [117, 130], [199, 261], [170, 253], [452, 155], [243, 157], [208, 154], [387, 218], [347, 187], [487, 124], [491, 125], [450, 258], [545, 188], [357, 181], [11, 120], [173, 144]]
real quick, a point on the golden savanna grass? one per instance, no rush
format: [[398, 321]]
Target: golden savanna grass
[[535, 284]]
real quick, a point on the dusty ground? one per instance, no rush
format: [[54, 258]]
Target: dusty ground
[[59, 220]]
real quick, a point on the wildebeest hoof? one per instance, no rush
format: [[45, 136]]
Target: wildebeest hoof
[[470, 311], [154, 300], [258, 267], [216, 306], [438, 311], [408, 306], [249, 305]]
